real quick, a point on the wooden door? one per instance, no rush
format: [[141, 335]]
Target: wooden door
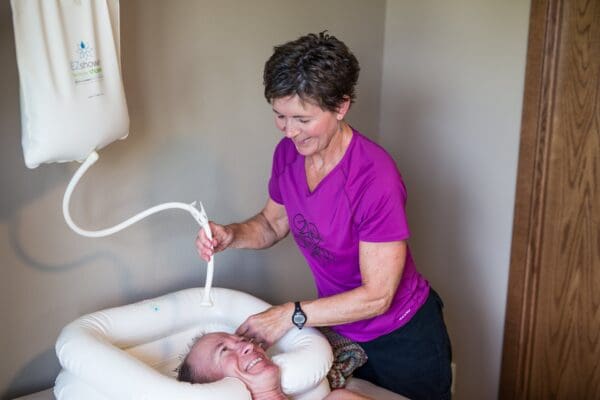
[[552, 330]]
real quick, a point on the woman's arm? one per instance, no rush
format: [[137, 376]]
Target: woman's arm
[[381, 266], [261, 231]]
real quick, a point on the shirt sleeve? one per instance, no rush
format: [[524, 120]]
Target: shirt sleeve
[[380, 214], [277, 167]]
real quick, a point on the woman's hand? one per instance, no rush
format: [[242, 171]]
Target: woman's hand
[[268, 326], [222, 238], [261, 231]]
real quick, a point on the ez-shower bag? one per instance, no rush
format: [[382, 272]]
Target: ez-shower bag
[[72, 96]]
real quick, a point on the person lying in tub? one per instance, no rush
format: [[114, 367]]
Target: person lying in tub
[[217, 355]]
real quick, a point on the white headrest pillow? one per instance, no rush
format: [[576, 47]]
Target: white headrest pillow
[[131, 352]]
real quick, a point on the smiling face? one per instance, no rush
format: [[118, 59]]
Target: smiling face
[[218, 355], [309, 126]]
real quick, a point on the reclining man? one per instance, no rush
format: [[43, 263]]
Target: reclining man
[[219, 354]]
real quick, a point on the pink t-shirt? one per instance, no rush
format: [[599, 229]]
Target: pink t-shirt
[[361, 199]]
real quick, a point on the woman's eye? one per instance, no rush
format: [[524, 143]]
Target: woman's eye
[[304, 121], [224, 349]]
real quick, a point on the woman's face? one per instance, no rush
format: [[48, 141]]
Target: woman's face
[[217, 355], [309, 126]]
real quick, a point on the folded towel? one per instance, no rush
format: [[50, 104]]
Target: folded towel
[[347, 356]]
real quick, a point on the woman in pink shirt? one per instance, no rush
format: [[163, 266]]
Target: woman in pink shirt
[[343, 199]]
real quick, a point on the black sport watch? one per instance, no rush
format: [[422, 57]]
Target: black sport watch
[[298, 318]]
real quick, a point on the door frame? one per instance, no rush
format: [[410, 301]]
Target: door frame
[[536, 128]]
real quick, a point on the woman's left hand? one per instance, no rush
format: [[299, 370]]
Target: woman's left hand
[[268, 326]]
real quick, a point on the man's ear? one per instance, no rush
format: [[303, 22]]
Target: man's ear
[[343, 108]]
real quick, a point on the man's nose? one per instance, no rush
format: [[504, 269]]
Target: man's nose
[[246, 347]]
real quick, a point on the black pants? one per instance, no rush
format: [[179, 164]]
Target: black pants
[[414, 360]]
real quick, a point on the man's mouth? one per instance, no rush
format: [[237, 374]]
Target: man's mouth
[[253, 363]]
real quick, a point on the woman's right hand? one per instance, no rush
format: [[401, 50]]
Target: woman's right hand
[[222, 238]]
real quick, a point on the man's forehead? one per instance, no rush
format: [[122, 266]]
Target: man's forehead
[[218, 336], [211, 340], [207, 344], [203, 354]]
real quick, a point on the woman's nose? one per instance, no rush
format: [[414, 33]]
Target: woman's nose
[[290, 130], [291, 134]]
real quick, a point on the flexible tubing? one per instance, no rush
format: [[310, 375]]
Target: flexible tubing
[[199, 216]]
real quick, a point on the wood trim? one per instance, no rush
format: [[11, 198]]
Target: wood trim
[[538, 102]]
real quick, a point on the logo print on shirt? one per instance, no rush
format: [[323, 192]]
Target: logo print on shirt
[[307, 235]]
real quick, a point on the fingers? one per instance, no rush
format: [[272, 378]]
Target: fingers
[[204, 246], [222, 238], [242, 330], [257, 342], [252, 327], [246, 330], [266, 327]]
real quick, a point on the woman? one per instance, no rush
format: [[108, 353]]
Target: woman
[[343, 199]]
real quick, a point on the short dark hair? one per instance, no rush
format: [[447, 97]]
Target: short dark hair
[[185, 373], [315, 67]]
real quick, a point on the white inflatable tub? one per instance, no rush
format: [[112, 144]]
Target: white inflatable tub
[[131, 352]]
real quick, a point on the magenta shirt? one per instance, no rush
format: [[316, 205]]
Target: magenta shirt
[[361, 199]]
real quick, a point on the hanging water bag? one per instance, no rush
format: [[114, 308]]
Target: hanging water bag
[[72, 97]]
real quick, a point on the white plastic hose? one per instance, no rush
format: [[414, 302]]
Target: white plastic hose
[[199, 216]]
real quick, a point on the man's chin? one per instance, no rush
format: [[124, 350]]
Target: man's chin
[[267, 376]]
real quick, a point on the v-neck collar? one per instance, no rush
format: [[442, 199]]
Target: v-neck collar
[[307, 190]]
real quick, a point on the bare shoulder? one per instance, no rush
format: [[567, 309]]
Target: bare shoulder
[[345, 394]]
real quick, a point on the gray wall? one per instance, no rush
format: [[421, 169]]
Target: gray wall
[[447, 109], [200, 129], [451, 106]]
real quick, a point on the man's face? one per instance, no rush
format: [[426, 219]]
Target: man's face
[[218, 355]]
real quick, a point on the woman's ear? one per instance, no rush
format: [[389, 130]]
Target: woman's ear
[[343, 108]]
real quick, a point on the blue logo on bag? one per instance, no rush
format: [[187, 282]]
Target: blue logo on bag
[[86, 67]]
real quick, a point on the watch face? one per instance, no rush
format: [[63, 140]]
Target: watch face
[[299, 318]]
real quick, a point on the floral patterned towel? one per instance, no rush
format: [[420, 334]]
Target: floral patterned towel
[[347, 356]]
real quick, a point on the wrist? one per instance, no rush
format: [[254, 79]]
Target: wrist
[[230, 235], [287, 310], [299, 318]]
